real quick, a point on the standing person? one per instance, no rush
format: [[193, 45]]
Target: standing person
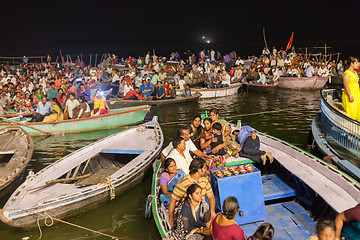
[[223, 225], [351, 94]]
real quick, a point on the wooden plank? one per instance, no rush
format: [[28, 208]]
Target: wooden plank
[[296, 233], [294, 207]]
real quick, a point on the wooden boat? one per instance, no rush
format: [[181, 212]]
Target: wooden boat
[[335, 81], [218, 92], [124, 103], [337, 135], [15, 153], [299, 189], [85, 178], [308, 83], [271, 88], [114, 119]]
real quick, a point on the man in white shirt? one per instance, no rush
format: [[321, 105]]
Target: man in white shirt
[[310, 71], [225, 78], [287, 62], [180, 155], [128, 87], [190, 146], [237, 74], [323, 71], [116, 77]]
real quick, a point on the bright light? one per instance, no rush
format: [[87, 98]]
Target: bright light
[[208, 41], [203, 37]]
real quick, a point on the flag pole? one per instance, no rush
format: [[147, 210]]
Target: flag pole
[[265, 38]]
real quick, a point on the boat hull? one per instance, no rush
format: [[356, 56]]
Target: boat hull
[[126, 103], [215, 93], [302, 83], [116, 118], [261, 88]]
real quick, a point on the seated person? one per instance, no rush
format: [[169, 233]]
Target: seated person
[[168, 180], [145, 89], [187, 91], [100, 104], [57, 112], [134, 95], [264, 232], [83, 110], [196, 175], [325, 230], [171, 92], [44, 108], [160, 92], [251, 146], [218, 141], [352, 219], [215, 81], [224, 226], [181, 157], [193, 220]]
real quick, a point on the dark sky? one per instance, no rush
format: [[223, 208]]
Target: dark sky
[[33, 27]]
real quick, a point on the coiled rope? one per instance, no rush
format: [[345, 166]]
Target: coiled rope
[[111, 187]]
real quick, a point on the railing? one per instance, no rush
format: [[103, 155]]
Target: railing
[[341, 128]]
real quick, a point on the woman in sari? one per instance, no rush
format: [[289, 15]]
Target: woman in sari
[[57, 112], [168, 180], [100, 104], [37, 96], [62, 98], [193, 219], [83, 110], [196, 129]]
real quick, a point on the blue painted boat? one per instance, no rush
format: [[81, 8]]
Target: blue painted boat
[[336, 135], [298, 189]]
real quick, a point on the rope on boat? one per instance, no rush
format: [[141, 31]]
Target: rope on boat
[[231, 117], [148, 205], [141, 128], [111, 187]]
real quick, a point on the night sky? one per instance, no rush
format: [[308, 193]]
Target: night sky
[[131, 27]]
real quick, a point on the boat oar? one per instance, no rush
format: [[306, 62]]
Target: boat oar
[[61, 180], [25, 125]]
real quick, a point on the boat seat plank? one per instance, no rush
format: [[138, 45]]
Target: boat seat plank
[[286, 222], [296, 233], [281, 234], [249, 229], [275, 188], [122, 151], [7, 152], [294, 207]]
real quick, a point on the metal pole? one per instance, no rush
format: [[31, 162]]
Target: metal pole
[[325, 52], [306, 52], [337, 59], [90, 60], [265, 38]]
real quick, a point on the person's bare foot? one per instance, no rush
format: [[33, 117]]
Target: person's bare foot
[[263, 158], [270, 157]]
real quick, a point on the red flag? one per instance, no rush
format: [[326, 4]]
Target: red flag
[[290, 42]]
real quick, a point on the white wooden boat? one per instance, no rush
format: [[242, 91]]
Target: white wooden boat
[[16, 150], [215, 93], [300, 188], [302, 82], [100, 171]]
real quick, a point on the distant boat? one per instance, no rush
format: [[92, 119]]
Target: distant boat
[[85, 178], [289, 197], [306, 83], [114, 119], [336, 135], [16, 150], [217, 92], [271, 88], [117, 102]]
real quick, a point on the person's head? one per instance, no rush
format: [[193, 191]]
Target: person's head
[[197, 166], [82, 99], [54, 102], [230, 207], [196, 121], [27, 95], [325, 230], [159, 84], [170, 166], [354, 62], [214, 115], [52, 85], [43, 99], [207, 123], [179, 143], [72, 96], [144, 82], [194, 193], [264, 232], [184, 133], [137, 89], [60, 91], [235, 133], [253, 134], [216, 127], [38, 91]]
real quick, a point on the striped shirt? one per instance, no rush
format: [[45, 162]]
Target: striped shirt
[[181, 187]]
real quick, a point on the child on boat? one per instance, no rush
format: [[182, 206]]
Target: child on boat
[[218, 141]]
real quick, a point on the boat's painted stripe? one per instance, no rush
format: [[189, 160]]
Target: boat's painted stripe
[[119, 151], [83, 119]]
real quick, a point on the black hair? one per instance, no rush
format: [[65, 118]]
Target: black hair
[[230, 207], [176, 142], [217, 126], [215, 111], [180, 131], [72, 94], [196, 116], [191, 189], [167, 163], [207, 119], [57, 102], [322, 224], [51, 84], [82, 98], [195, 165], [264, 232]]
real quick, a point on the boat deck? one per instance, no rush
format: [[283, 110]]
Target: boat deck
[[290, 220], [338, 106], [275, 188]]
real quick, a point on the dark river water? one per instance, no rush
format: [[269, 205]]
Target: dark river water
[[285, 114]]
